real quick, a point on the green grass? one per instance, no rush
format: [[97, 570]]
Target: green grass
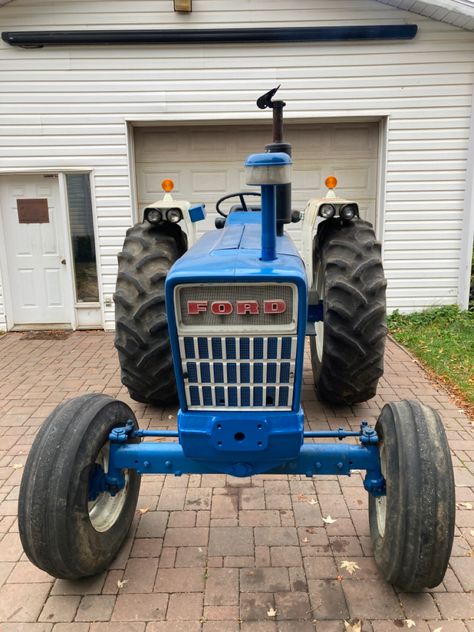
[[443, 339]]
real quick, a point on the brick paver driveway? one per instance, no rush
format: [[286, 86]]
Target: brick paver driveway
[[212, 553]]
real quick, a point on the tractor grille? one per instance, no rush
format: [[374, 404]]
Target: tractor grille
[[237, 361], [238, 372]]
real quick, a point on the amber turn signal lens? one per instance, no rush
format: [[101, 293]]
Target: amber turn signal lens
[[167, 185], [331, 182]]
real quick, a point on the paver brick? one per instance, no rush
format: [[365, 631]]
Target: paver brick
[[221, 613], [456, 605], [177, 536], [383, 602], [278, 524], [418, 605], [231, 541], [327, 599], [292, 605], [221, 626], [60, 608], [117, 627], [255, 606], [169, 580], [146, 547], [87, 586], [22, 602], [152, 525], [185, 607], [174, 626], [140, 575], [285, 556], [222, 588], [31, 627], [149, 607], [276, 536], [95, 608], [264, 580]]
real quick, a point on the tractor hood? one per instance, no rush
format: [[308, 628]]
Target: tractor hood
[[235, 253]]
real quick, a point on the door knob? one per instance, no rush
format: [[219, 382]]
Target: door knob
[[63, 261]]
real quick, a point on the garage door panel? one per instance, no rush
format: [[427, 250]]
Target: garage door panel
[[206, 162], [356, 140], [169, 142]]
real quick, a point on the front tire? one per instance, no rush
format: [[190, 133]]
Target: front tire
[[412, 527], [347, 354], [62, 531], [141, 323]]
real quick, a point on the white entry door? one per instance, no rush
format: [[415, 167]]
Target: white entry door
[[34, 237]]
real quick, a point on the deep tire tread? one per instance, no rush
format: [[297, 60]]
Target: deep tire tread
[[142, 338], [348, 258]]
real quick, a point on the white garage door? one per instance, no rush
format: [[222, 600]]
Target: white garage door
[[206, 162]]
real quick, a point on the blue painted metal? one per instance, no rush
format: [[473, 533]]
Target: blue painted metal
[[225, 436], [268, 223], [154, 433], [232, 255], [316, 312], [97, 481], [197, 212], [311, 459]]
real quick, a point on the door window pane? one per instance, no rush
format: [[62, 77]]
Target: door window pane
[[82, 235]]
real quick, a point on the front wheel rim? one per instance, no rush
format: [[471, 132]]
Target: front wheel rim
[[104, 511], [381, 501], [319, 324]]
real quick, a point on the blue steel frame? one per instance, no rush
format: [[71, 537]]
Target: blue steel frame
[[234, 442], [313, 458]]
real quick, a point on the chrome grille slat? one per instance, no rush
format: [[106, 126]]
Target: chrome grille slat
[[238, 393]]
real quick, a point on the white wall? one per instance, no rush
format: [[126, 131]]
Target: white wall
[[66, 107]]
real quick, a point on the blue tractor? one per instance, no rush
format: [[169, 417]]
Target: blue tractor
[[219, 325]]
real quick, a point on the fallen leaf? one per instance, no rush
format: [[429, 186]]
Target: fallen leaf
[[312, 501], [305, 540], [339, 578], [410, 623], [301, 498], [329, 520], [353, 626], [464, 505], [350, 567], [17, 466], [438, 630], [144, 510], [121, 582], [170, 416], [271, 612], [200, 549], [472, 532]]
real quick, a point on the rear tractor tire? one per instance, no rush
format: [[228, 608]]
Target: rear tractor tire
[[412, 527], [141, 337], [62, 530], [348, 350]]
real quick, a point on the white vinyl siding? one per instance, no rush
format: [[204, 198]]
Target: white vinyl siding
[[67, 107]]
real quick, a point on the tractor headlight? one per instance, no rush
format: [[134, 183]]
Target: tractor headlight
[[174, 215], [327, 210], [153, 215], [348, 211]]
